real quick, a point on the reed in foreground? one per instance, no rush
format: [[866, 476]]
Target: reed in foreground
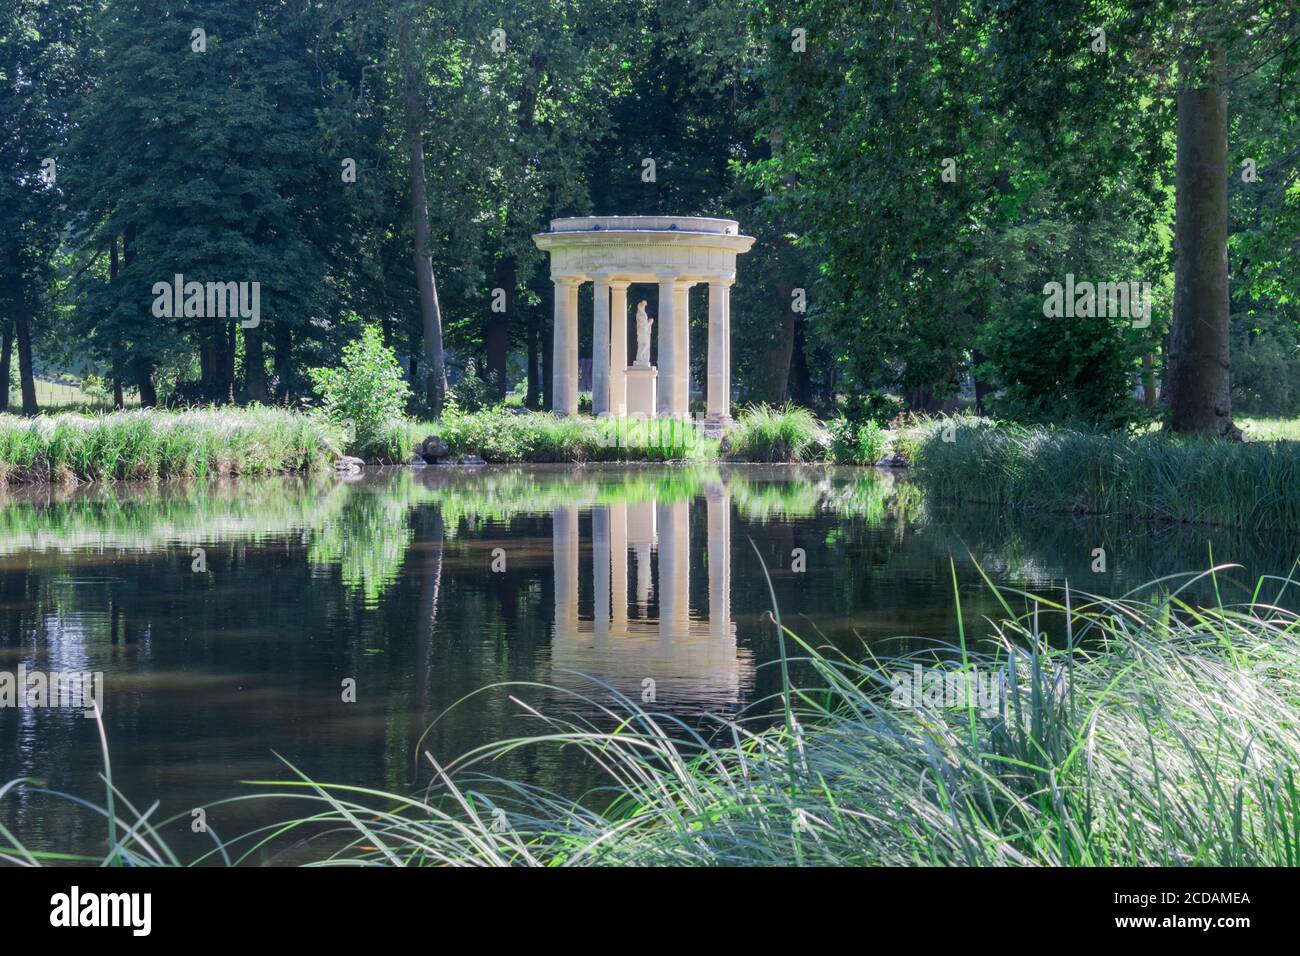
[[1254, 485], [198, 443]]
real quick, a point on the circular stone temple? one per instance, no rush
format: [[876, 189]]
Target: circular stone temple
[[612, 252]]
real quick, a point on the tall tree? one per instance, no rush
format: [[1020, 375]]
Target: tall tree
[[1215, 45], [38, 77], [413, 84]]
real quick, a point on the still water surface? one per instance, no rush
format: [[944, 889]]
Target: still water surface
[[226, 617]]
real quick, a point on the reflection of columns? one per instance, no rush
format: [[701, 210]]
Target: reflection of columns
[[618, 348], [618, 570], [674, 569], [718, 502], [600, 354], [642, 577], [564, 355], [682, 356], [600, 569], [667, 359], [564, 555], [641, 536], [719, 386]]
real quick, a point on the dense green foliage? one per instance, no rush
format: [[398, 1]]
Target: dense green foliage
[[1266, 366], [278, 148]]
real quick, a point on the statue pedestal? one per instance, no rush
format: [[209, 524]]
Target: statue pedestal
[[717, 427], [641, 384]]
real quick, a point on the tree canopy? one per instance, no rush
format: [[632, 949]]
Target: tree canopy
[[917, 175]]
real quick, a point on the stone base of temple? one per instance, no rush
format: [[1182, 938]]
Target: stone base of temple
[[716, 427], [641, 390]]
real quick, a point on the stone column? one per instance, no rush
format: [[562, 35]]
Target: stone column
[[618, 347], [600, 352], [564, 555], [719, 389], [682, 357], [726, 343], [564, 354], [665, 329]]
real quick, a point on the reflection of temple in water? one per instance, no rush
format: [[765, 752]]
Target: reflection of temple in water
[[641, 625]]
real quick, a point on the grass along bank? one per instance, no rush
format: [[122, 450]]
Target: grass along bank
[[205, 442], [760, 433], [497, 434], [1154, 476], [228, 440], [1153, 733]]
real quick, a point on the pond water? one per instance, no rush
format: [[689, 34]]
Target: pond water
[[226, 617]]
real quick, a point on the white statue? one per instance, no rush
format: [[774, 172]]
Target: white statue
[[643, 324]]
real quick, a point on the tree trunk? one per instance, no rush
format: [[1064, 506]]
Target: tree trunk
[[228, 363], [921, 399], [800, 379], [1197, 382], [782, 349], [144, 382], [142, 367], [281, 355], [22, 329], [430, 313], [1149, 380], [254, 366], [496, 335], [982, 388], [533, 397], [118, 401], [6, 361], [207, 364]]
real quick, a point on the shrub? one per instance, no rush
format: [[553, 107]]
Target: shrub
[[872, 405], [1079, 371], [470, 392], [1265, 366], [764, 433], [366, 392], [856, 444]]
